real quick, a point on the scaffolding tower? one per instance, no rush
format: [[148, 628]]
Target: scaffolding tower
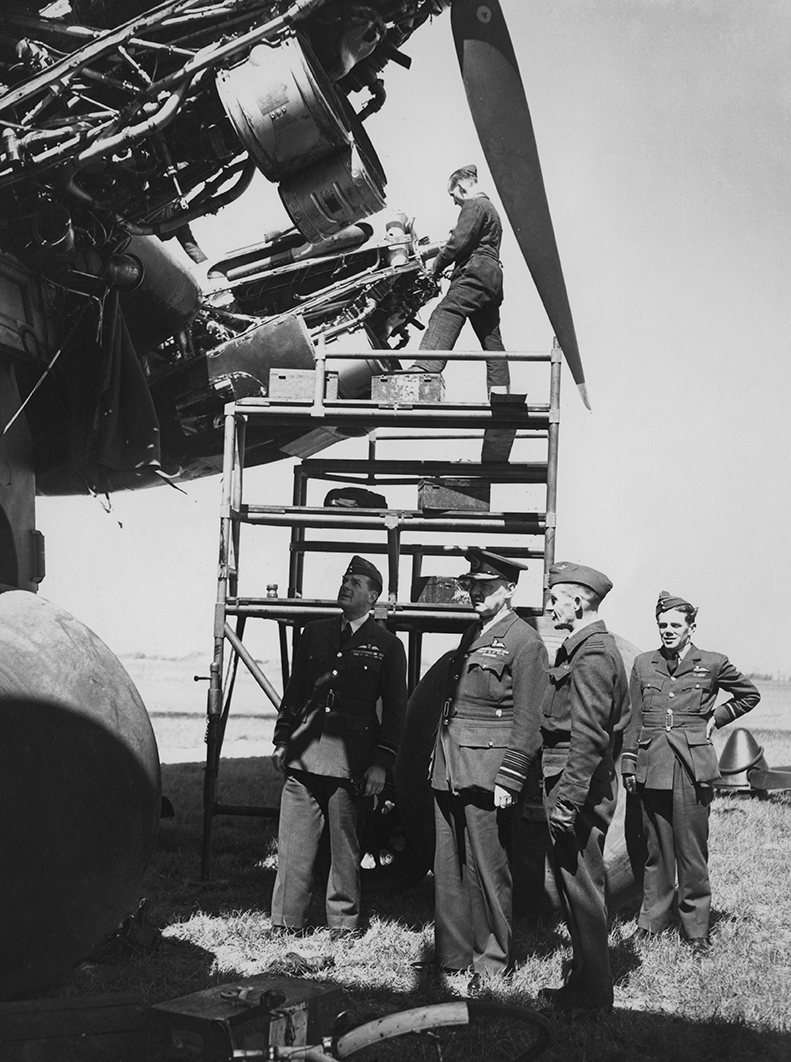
[[398, 533]]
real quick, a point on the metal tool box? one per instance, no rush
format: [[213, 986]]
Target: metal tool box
[[299, 385], [407, 387], [249, 1014]]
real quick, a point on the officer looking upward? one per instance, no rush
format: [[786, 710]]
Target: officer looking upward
[[669, 762], [334, 750]]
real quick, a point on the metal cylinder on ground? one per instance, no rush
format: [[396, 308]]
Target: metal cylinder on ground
[[79, 792]]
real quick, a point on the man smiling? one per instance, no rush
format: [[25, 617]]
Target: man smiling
[[670, 762], [496, 680]]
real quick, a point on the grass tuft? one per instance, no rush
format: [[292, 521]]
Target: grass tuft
[[733, 1005]]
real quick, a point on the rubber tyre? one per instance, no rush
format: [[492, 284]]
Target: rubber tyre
[[478, 1032]]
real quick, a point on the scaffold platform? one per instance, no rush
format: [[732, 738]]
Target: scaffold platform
[[411, 535]]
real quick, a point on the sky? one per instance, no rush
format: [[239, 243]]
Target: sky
[[664, 130]]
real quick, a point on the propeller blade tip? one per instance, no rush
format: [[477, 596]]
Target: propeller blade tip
[[583, 390]]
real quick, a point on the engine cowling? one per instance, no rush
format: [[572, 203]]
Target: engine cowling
[[79, 792]]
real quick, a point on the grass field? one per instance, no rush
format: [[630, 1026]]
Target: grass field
[[734, 1004]]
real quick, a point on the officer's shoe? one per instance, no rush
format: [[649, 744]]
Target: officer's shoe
[[642, 935], [286, 931], [344, 933], [565, 1000], [698, 945]]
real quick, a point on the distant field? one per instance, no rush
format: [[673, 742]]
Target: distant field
[[177, 706]]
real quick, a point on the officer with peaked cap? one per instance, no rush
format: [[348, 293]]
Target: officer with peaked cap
[[669, 761], [334, 750], [586, 704], [476, 285], [495, 683]]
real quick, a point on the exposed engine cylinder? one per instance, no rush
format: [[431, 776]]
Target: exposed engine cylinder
[[284, 108], [164, 300], [301, 132]]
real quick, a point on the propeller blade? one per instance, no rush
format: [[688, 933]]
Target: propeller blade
[[499, 110]]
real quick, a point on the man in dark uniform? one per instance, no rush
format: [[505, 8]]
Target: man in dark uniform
[[476, 285], [669, 761], [495, 684], [586, 704], [334, 750]]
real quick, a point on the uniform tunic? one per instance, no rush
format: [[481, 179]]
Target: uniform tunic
[[476, 288], [490, 721], [329, 723], [586, 705], [674, 763]]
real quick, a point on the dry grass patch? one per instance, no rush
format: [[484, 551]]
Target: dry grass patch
[[731, 1006]]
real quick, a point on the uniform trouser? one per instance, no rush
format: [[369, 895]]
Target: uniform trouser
[[310, 805], [472, 880], [578, 864], [676, 824], [474, 295]]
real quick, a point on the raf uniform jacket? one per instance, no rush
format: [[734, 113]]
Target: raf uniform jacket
[[328, 718], [586, 705], [670, 714], [495, 684]]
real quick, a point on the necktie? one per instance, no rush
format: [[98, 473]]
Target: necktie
[[672, 664], [346, 633]]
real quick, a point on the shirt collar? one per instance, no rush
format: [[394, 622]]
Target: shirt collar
[[503, 614], [354, 624]]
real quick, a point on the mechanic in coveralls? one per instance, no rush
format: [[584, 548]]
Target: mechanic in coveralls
[[476, 286]]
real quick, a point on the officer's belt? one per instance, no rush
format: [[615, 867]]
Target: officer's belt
[[670, 719], [475, 715]]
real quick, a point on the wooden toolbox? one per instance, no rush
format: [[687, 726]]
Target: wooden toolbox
[[249, 1014]]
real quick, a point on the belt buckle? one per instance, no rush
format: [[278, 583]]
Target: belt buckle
[[669, 719]]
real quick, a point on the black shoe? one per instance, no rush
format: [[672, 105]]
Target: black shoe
[[434, 967], [641, 934], [475, 985], [698, 945], [344, 933], [565, 999], [285, 931]]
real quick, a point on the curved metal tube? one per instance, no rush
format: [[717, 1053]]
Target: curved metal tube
[[165, 114]]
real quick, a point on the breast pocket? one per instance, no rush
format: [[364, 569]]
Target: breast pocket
[[651, 690], [693, 691], [487, 677], [361, 674], [559, 680]]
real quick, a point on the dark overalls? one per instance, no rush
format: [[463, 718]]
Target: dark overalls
[[476, 289]]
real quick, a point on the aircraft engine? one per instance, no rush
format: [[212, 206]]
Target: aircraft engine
[[302, 133], [79, 792]]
